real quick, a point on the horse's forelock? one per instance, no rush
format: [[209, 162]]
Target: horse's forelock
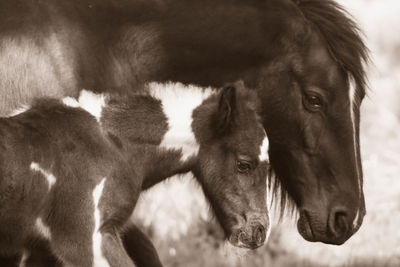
[[342, 36]]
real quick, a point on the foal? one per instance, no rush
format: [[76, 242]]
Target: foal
[[71, 171]]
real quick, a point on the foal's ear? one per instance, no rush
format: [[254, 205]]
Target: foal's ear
[[227, 109]]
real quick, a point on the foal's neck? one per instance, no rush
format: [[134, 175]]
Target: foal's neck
[[178, 103], [155, 128]]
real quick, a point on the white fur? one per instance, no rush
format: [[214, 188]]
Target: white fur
[[71, 102], [29, 70], [271, 205], [24, 258], [89, 101], [98, 258], [43, 229], [355, 222], [270, 219], [263, 156], [178, 103], [352, 95], [18, 111], [92, 103], [51, 179]]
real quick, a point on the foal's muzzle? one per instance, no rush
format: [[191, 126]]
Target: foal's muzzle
[[251, 236]]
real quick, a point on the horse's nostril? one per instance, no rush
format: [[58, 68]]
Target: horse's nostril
[[259, 234], [338, 223]]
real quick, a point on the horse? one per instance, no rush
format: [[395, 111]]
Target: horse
[[72, 170], [306, 59]]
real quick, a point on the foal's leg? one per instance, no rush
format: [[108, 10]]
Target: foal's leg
[[12, 261], [41, 256], [114, 251], [137, 245], [139, 248]]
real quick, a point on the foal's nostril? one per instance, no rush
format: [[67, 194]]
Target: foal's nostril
[[338, 222], [259, 234], [243, 237], [252, 237]]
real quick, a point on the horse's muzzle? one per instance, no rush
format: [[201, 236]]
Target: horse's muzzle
[[336, 230]]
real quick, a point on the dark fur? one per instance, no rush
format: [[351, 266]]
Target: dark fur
[[124, 150], [113, 45]]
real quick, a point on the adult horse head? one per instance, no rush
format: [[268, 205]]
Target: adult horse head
[[313, 119]]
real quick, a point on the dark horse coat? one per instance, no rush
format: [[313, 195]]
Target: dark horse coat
[[304, 57], [71, 172]]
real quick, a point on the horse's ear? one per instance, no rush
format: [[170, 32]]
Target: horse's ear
[[227, 109]]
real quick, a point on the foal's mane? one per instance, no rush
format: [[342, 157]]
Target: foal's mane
[[342, 36]]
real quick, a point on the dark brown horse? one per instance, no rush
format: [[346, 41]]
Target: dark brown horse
[[305, 58]]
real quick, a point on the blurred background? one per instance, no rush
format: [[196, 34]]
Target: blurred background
[[178, 220]]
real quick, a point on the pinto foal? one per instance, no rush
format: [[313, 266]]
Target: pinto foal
[[71, 170]]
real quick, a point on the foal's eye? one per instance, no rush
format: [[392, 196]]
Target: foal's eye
[[313, 102], [243, 167]]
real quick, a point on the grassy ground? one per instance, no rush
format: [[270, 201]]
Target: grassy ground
[[177, 218]]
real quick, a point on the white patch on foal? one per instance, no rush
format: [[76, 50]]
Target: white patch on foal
[[92, 103], [71, 102], [89, 101], [263, 156], [98, 257], [178, 102], [51, 179], [43, 229]]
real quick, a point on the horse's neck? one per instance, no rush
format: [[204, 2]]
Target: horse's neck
[[206, 53], [155, 128]]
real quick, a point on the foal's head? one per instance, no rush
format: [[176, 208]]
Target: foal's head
[[232, 164]]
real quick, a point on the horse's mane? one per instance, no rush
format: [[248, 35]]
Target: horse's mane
[[342, 35]]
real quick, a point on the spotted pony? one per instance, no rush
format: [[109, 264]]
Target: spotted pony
[[71, 170]]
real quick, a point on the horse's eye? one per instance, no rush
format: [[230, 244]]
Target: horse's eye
[[313, 102], [243, 167]]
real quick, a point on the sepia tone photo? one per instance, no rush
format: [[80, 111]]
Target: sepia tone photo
[[191, 133]]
